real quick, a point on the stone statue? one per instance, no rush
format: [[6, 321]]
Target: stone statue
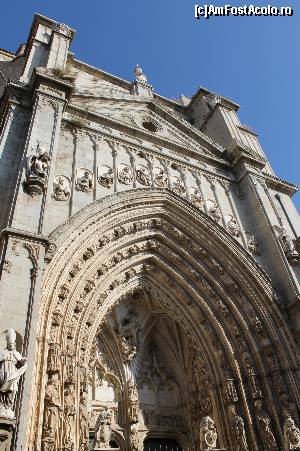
[[214, 211], [288, 244], [12, 366], [253, 245], [264, 426], [36, 171], [238, 430], [291, 434], [83, 419], [232, 227], [52, 408], [133, 402], [103, 428], [139, 76], [134, 437], [208, 433], [128, 351], [69, 415], [196, 197]]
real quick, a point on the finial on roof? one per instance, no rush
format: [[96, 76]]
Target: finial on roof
[[139, 76]]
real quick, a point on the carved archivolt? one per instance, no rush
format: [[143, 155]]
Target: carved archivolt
[[203, 279]]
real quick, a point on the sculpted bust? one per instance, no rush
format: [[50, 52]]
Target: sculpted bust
[[12, 366]]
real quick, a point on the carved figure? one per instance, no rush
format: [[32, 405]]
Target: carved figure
[[253, 245], [238, 430], [288, 244], [84, 180], [133, 402], [52, 408], [143, 175], [208, 433], [264, 426], [213, 210], [128, 351], [139, 76], [160, 177], [134, 437], [12, 366], [232, 226], [291, 434], [36, 171], [105, 176], [125, 174], [61, 188], [177, 185], [69, 415], [196, 197], [83, 419], [103, 428]]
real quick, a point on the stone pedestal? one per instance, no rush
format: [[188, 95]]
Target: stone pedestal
[[7, 427]]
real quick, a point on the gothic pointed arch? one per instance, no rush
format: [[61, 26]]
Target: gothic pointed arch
[[194, 302]]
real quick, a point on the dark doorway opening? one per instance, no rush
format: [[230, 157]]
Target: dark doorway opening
[[161, 444]]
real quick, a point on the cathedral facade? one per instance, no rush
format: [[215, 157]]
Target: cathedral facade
[[149, 294]]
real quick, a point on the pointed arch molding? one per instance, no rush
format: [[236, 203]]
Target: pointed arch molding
[[156, 241]]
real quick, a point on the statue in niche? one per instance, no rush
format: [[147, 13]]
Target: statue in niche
[[143, 175], [232, 226], [238, 430], [52, 409], [253, 245], [36, 171], [125, 174], [139, 76], [177, 185], [196, 197], [160, 177], [84, 180], [208, 433], [133, 402], [264, 426], [105, 176], [291, 434], [12, 366], [61, 188], [103, 428], [83, 419], [69, 414]]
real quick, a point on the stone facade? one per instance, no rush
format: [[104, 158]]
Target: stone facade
[[149, 265]]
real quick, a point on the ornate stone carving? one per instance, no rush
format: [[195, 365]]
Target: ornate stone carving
[[232, 226], [143, 175], [265, 429], [288, 244], [252, 243], [105, 175], [103, 428], [196, 197], [139, 76], [213, 210], [133, 403], [125, 174], [237, 430], [230, 393], [177, 185], [160, 177], [84, 180], [52, 409], [69, 415], [291, 434], [12, 366], [36, 171], [83, 419], [134, 437], [208, 433], [61, 187], [128, 351]]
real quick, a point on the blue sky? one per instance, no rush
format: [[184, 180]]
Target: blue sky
[[253, 61]]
